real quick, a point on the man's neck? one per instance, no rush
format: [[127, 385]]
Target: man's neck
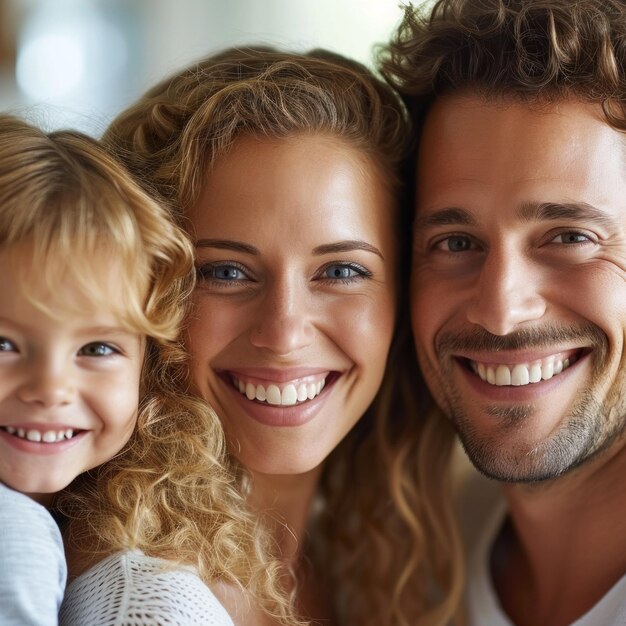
[[566, 544]]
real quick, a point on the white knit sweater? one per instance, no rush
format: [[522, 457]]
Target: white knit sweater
[[132, 589]]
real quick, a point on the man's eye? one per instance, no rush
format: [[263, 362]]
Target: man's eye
[[456, 243], [97, 349], [571, 237]]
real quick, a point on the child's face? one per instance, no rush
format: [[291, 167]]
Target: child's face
[[69, 383]]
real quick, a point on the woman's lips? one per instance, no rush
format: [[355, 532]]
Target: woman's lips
[[281, 394], [281, 403]]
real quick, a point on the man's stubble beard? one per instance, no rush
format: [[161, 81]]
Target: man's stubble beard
[[590, 428]]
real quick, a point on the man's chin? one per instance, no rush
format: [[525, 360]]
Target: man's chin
[[511, 459]]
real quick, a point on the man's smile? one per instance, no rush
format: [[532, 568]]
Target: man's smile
[[517, 374]]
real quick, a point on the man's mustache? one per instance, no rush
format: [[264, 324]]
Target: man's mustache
[[478, 339]]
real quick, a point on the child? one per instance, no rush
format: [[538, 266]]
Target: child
[[95, 279]]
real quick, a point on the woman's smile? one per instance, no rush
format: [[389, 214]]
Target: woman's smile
[[296, 267]]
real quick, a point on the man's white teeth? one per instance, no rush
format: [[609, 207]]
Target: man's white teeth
[[289, 395], [38, 436], [521, 373]]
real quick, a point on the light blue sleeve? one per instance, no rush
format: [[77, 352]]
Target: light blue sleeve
[[32, 562]]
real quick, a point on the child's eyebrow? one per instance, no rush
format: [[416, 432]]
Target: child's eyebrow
[[107, 330]]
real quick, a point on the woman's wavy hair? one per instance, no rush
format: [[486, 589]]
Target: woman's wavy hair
[[67, 208], [530, 50], [375, 549]]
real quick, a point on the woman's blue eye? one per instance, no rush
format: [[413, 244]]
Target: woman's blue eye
[[221, 272], [340, 271], [6, 345], [97, 349], [343, 271]]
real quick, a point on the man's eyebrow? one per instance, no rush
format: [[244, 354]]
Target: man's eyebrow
[[347, 246], [227, 244], [552, 211], [450, 216]]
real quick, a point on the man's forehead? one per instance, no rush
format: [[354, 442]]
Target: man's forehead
[[469, 142]]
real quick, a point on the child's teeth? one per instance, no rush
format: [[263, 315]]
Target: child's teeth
[[49, 436], [33, 435], [37, 436]]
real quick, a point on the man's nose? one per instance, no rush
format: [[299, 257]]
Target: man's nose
[[507, 293]]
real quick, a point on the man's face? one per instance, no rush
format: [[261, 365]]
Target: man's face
[[519, 281]]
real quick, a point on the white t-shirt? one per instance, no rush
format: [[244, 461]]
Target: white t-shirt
[[132, 589], [32, 562], [484, 607]]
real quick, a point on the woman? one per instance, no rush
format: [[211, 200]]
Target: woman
[[283, 169]]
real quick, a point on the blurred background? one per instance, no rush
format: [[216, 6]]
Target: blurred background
[[76, 63]]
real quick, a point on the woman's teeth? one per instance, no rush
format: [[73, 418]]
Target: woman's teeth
[[288, 395], [520, 374], [40, 436]]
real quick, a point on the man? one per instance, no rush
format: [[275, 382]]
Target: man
[[519, 286]]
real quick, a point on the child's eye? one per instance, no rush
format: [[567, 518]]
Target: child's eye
[[97, 349], [6, 345]]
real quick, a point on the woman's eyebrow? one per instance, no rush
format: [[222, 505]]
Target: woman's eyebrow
[[227, 244], [347, 246]]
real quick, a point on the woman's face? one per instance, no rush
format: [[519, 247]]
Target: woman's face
[[295, 306]]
